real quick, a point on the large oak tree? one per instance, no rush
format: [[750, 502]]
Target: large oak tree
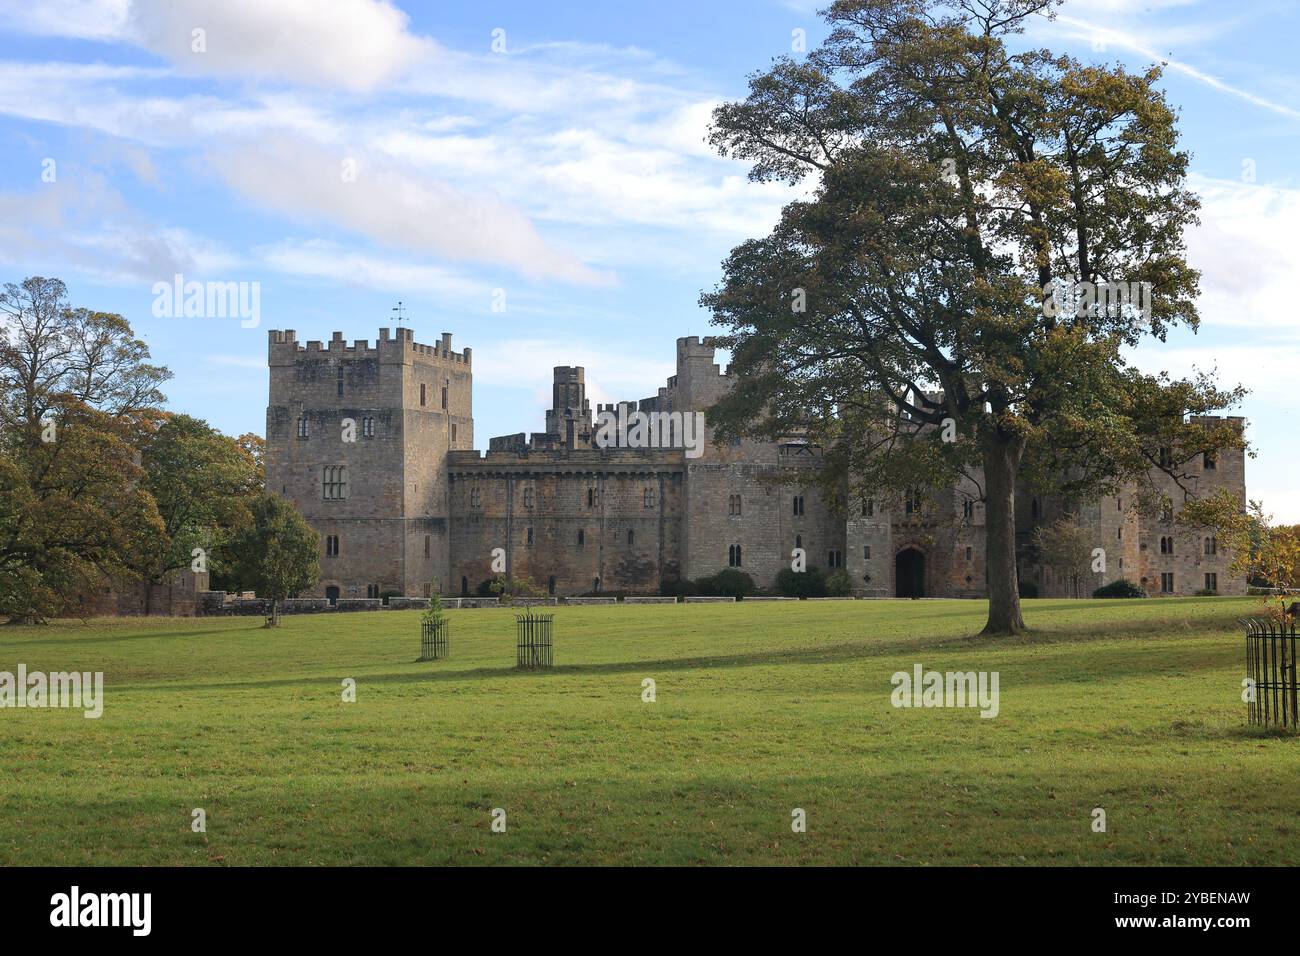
[[963, 198]]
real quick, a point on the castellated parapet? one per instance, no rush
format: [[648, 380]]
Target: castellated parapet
[[357, 438], [410, 500]]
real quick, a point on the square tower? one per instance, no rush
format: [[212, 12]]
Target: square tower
[[357, 438]]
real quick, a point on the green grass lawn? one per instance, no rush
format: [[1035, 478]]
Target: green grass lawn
[[1132, 706]]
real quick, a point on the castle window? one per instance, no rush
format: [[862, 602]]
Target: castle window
[[868, 508], [331, 546], [1119, 504], [530, 537], [1036, 508], [866, 552], [798, 541], [1166, 545], [912, 505], [528, 497], [648, 498], [970, 553], [1166, 457], [631, 537], [1211, 581], [372, 590], [367, 428], [476, 497], [582, 537], [453, 432], [303, 428], [340, 381], [444, 396], [421, 393], [1211, 545], [734, 556], [968, 509], [1119, 534], [426, 545], [1211, 461], [733, 505], [1167, 511], [1167, 583], [798, 505], [334, 482], [591, 497], [835, 559]]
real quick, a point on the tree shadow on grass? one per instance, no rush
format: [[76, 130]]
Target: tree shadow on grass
[[826, 654]]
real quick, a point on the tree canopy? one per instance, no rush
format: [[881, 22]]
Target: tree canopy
[[987, 231]]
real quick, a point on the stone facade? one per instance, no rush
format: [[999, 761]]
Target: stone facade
[[408, 501]]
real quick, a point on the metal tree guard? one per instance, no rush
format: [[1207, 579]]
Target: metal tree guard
[[433, 640], [534, 640], [1271, 669]]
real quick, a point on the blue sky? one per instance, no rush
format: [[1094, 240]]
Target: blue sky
[[567, 171]]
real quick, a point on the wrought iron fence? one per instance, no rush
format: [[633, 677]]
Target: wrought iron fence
[[433, 640], [1272, 696], [534, 640]]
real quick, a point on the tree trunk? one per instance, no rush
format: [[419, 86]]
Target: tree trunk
[[1001, 454]]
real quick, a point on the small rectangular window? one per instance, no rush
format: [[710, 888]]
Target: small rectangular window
[[421, 393], [444, 396]]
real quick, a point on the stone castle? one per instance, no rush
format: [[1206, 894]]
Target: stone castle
[[375, 446]]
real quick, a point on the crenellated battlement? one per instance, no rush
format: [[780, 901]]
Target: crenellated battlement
[[394, 346]]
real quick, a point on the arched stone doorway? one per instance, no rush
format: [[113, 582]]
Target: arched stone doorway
[[909, 574]]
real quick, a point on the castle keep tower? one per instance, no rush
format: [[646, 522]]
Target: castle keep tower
[[357, 438]]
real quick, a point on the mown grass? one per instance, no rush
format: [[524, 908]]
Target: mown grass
[[1132, 706]]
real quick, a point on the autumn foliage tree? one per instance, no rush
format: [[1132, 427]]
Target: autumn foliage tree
[[964, 203], [1263, 552], [76, 394], [98, 485]]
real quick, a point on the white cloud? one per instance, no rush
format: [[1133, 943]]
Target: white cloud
[[79, 222], [319, 259], [1118, 32], [394, 206], [349, 44], [1246, 248]]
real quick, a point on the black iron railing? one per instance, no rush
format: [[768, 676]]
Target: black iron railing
[[1271, 691], [433, 640], [534, 644]]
